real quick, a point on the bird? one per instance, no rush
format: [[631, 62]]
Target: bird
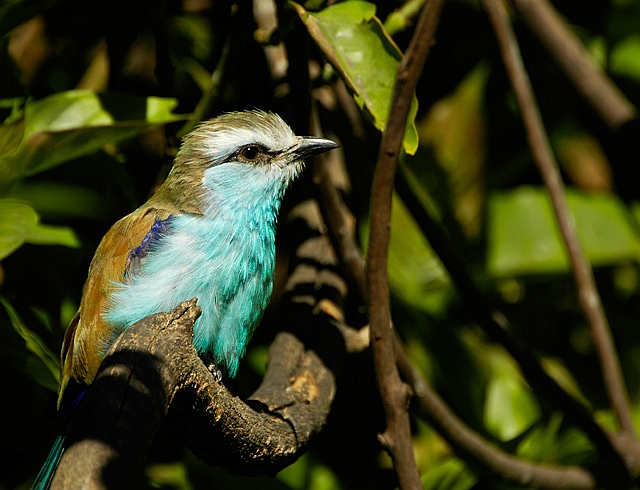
[[208, 232]]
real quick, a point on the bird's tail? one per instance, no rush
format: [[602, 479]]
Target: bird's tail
[[45, 475]]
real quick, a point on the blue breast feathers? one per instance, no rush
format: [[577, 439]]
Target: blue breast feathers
[[224, 258]]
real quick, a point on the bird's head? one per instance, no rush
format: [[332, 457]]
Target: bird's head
[[239, 150]]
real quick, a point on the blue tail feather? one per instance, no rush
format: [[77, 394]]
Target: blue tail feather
[[45, 475]]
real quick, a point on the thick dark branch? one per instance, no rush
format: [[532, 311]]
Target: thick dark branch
[[397, 436], [152, 375], [592, 82], [543, 156]]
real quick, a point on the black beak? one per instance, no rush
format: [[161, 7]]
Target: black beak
[[310, 146]]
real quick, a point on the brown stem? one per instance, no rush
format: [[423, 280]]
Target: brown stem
[[541, 150], [395, 395], [429, 405], [592, 82]]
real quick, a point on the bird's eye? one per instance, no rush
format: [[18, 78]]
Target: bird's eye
[[250, 153]]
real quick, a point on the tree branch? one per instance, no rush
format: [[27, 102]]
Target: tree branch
[[492, 459], [592, 82], [152, 375], [395, 396], [541, 150], [428, 404]]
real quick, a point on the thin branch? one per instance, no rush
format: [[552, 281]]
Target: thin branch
[[395, 396], [578, 64], [492, 459], [541, 150], [429, 405]]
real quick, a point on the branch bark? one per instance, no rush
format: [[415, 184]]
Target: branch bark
[[548, 168], [395, 396], [153, 375], [429, 405], [571, 55]]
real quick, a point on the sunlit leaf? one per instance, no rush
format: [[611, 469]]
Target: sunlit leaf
[[523, 237], [415, 273], [53, 235], [548, 442], [510, 406], [17, 221], [452, 474], [50, 375], [355, 43], [625, 57], [68, 125]]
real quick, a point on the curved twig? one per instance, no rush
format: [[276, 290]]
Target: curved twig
[[464, 440], [542, 154], [395, 396], [592, 82]]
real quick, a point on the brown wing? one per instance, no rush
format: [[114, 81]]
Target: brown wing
[[87, 336]]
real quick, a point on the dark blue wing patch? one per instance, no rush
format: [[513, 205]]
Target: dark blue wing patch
[[156, 232]]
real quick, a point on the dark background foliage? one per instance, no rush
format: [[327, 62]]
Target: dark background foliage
[[82, 145]]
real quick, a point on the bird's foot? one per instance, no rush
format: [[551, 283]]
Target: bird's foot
[[215, 371]]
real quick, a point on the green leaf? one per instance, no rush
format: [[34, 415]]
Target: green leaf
[[451, 474], [523, 237], [510, 406], [17, 222], [415, 272], [68, 125], [351, 37], [53, 235], [48, 377], [549, 443], [625, 58]]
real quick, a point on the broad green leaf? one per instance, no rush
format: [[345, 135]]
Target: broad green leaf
[[68, 125], [11, 137], [510, 406], [354, 41], [523, 237], [46, 370], [17, 222], [53, 235], [415, 273]]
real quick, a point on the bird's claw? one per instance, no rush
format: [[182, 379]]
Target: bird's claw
[[215, 371]]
